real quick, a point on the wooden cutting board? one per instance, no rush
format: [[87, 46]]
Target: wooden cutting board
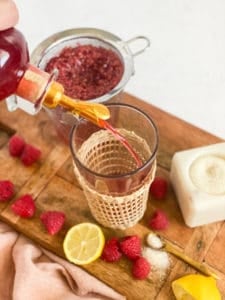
[[52, 183]]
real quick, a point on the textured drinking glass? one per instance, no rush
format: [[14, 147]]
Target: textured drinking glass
[[116, 189]]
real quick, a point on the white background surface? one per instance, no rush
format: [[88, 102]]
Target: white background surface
[[183, 72]]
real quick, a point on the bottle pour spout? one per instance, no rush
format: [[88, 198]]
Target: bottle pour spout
[[91, 111]]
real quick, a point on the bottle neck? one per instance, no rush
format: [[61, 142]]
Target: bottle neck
[[38, 89], [37, 86]]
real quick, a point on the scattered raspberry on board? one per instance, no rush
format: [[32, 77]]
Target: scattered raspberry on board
[[53, 221], [111, 251], [6, 190], [24, 206], [16, 145], [30, 155], [159, 188], [159, 220], [141, 268], [131, 246]]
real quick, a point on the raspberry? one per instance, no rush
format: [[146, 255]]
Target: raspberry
[[159, 220], [16, 145], [6, 190], [141, 268], [131, 246], [111, 251], [24, 206], [53, 221], [30, 155], [158, 188]]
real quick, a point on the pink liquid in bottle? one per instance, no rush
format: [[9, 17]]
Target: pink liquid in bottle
[[14, 58]]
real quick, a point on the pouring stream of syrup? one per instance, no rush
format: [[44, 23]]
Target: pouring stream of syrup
[[104, 124], [98, 114]]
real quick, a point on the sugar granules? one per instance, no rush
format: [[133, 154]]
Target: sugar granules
[[154, 241], [158, 259]]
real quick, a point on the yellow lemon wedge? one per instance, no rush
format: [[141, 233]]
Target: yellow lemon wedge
[[196, 287], [83, 243]]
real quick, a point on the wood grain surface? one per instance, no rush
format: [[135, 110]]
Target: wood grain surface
[[52, 183]]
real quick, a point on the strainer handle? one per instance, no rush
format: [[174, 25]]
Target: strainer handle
[[146, 40]]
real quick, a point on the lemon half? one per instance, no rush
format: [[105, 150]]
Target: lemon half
[[83, 243], [196, 287]]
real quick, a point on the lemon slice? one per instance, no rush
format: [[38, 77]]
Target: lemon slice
[[83, 243], [196, 287]]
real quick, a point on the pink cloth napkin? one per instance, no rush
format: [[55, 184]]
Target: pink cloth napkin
[[29, 272]]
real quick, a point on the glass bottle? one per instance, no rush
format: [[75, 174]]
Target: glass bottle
[[38, 88]]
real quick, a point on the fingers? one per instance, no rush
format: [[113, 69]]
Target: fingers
[[8, 14]]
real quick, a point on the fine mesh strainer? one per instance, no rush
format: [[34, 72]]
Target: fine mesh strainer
[[54, 44]]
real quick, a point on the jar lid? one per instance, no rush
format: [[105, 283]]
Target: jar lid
[[55, 43]]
